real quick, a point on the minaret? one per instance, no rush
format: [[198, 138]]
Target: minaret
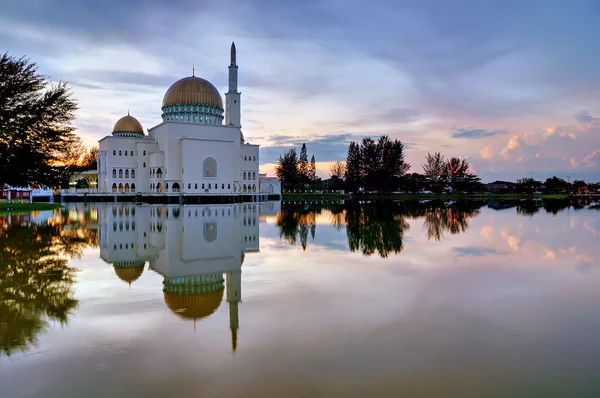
[[232, 97], [234, 287]]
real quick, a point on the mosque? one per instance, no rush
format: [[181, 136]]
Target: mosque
[[197, 153], [198, 250]]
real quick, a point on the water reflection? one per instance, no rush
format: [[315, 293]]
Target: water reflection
[[35, 279], [198, 250]]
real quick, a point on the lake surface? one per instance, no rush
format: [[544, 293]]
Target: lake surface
[[389, 299]]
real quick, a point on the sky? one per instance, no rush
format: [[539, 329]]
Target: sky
[[511, 86]]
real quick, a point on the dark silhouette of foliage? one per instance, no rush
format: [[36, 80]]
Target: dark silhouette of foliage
[[36, 134]]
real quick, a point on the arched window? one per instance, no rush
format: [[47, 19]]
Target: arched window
[[244, 189], [120, 153], [159, 173], [228, 186], [270, 188], [132, 187], [120, 187], [144, 164], [167, 187], [144, 153], [254, 188], [209, 231], [132, 173], [202, 185], [234, 188], [246, 158], [127, 187], [114, 187], [126, 173], [189, 186], [125, 153], [114, 152], [244, 177], [159, 187], [131, 153], [209, 186], [196, 186], [175, 187], [254, 176], [120, 173], [114, 173], [210, 167]]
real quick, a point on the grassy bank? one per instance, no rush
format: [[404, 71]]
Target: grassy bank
[[332, 196], [26, 207]]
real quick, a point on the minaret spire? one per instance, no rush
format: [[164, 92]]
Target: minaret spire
[[233, 99], [233, 54], [193, 70]]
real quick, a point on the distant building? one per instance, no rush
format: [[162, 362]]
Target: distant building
[[197, 150], [501, 187]]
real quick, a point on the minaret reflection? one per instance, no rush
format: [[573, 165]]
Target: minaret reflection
[[197, 249]]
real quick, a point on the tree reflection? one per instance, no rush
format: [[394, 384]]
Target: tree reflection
[[453, 219], [35, 279], [376, 229]]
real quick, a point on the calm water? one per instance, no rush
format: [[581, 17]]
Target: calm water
[[459, 300]]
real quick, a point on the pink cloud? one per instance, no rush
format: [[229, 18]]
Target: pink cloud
[[487, 152], [592, 159]]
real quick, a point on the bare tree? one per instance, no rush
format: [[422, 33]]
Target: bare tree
[[337, 170]]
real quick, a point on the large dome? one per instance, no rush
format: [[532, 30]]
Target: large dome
[[128, 124], [129, 272], [193, 91], [194, 297]]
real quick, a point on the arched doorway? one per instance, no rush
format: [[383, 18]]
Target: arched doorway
[[159, 187], [132, 187], [175, 187], [120, 187], [127, 187], [114, 187]]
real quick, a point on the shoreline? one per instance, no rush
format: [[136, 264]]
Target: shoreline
[[16, 207], [333, 196]]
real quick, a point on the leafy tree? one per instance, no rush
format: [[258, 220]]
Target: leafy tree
[[392, 163], [35, 124], [578, 184], [287, 169], [353, 172], [435, 171], [414, 183], [303, 166], [527, 186], [90, 159], [457, 171], [313, 170], [369, 158]]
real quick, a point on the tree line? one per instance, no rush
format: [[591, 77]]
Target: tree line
[[295, 170], [380, 165], [38, 144]]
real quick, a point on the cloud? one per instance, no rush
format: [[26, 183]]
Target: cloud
[[513, 143], [487, 152], [477, 133], [475, 251], [592, 159], [585, 121]]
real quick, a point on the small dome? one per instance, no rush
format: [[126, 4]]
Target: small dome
[[128, 124], [129, 274], [193, 90]]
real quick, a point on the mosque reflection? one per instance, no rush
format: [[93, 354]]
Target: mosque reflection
[[198, 250]]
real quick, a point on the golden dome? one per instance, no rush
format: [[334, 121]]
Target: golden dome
[[193, 91], [128, 124], [129, 274], [195, 306]]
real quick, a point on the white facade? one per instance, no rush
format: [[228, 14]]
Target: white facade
[[190, 153]]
